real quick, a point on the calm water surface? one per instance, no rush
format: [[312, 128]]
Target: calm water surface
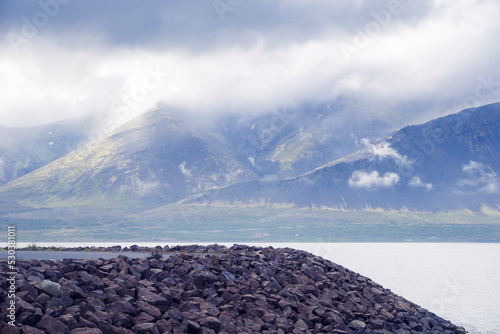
[[59, 255], [459, 282]]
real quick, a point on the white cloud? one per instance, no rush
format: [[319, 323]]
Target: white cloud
[[146, 187], [479, 179], [2, 171], [184, 170], [248, 65], [361, 179], [384, 150], [417, 182]]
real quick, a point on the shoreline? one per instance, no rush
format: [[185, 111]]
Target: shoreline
[[212, 289], [132, 248]]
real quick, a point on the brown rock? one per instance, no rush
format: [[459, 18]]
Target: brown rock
[[31, 330], [51, 325], [149, 309], [175, 314], [164, 326], [123, 307], [42, 298], [69, 320], [252, 325], [193, 327], [143, 317], [121, 320], [268, 317], [211, 322], [145, 328], [300, 325], [28, 318]]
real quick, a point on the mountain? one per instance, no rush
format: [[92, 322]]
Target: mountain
[[163, 156], [149, 161], [23, 150], [445, 164], [291, 141], [313, 156]]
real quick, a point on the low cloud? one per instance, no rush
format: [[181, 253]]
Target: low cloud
[[146, 187], [2, 171], [418, 183], [478, 179], [373, 180], [91, 55], [184, 170], [384, 150]]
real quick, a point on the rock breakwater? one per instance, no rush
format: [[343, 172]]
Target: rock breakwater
[[207, 289]]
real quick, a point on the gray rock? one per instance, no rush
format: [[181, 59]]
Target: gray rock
[[51, 288], [230, 277], [357, 325]]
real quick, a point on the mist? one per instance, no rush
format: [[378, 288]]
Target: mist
[[118, 59]]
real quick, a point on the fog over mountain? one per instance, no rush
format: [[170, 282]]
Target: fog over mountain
[[116, 59], [121, 106], [295, 157], [450, 163], [23, 150], [164, 155]]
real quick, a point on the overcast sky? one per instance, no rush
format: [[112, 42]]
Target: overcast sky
[[61, 59]]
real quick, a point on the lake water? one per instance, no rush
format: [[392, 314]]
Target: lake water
[[459, 282], [59, 255]]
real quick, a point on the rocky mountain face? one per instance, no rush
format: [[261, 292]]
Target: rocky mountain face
[[448, 163], [165, 156], [313, 156]]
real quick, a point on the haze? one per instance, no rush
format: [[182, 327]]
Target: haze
[[420, 59]]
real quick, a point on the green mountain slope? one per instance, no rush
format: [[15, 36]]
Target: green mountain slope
[[159, 158], [148, 162]]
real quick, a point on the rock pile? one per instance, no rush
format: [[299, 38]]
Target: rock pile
[[220, 290]]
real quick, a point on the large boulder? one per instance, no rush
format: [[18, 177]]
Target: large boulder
[[51, 288]]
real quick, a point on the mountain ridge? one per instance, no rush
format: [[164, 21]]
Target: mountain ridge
[[132, 148], [380, 168], [161, 158], [168, 156]]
